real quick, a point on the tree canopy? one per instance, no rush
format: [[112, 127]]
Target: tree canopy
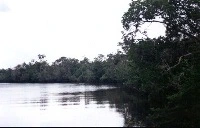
[[166, 68], [101, 70]]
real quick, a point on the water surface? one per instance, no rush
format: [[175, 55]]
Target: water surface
[[63, 105]]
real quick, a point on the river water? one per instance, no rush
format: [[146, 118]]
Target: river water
[[46, 105]]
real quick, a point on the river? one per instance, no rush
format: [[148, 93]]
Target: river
[[68, 105]]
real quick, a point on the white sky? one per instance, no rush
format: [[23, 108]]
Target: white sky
[[56, 28]]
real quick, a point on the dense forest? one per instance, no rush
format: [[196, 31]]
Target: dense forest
[[111, 70], [165, 69]]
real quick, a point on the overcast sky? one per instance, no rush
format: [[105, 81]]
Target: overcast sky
[[56, 28]]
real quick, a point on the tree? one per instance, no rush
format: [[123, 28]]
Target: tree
[[116, 68], [166, 67], [97, 68]]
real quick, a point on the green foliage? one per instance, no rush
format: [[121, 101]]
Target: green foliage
[[101, 70], [166, 68]]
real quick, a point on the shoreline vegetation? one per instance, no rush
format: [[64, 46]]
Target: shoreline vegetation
[[110, 70], [165, 69]]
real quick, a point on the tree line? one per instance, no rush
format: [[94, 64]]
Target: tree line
[[110, 69]]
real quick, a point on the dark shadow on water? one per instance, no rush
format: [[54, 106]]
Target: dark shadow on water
[[130, 105]]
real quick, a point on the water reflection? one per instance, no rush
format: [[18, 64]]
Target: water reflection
[[131, 106], [43, 97], [87, 105]]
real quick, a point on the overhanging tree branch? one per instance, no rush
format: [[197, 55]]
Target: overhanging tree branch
[[156, 21], [179, 61]]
